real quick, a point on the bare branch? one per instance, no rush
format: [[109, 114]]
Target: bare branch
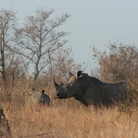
[[38, 37], [11, 62]]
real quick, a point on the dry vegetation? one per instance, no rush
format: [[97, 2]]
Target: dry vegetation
[[48, 58], [70, 119]]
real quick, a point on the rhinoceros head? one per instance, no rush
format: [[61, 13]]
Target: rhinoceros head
[[70, 89], [60, 89]]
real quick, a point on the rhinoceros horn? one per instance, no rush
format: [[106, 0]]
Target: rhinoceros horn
[[55, 82]]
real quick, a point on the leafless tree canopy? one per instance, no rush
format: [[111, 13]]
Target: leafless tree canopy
[[7, 23], [39, 38]]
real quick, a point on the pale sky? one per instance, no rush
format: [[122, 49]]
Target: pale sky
[[93, 23]]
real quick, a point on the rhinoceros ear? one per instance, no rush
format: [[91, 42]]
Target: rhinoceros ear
[[43, 91], [33, 89], [79, 74], [70, 74], [61, 83]]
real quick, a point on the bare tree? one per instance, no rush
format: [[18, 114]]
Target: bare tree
[[7, 22], [40, 38]]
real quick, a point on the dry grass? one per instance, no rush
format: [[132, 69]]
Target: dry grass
[[71, 120], [67, 119]]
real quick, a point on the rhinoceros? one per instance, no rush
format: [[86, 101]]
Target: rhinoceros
[[59, 87], [38, 97], [90, 90], [5, 130]]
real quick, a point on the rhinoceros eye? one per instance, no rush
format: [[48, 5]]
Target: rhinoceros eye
[[67, 87]]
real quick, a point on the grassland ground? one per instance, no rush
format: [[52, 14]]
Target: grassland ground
[[70, 119]]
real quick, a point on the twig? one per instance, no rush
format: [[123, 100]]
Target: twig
[[38, 135]]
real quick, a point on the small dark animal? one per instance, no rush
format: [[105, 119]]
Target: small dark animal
[[38, 98], [90, 90], [4, 126]]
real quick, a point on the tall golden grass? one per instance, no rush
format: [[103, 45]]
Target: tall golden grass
[[70, 119]]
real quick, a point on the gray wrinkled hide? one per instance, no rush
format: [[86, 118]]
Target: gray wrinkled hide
[[38, 98], [90, 90]]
